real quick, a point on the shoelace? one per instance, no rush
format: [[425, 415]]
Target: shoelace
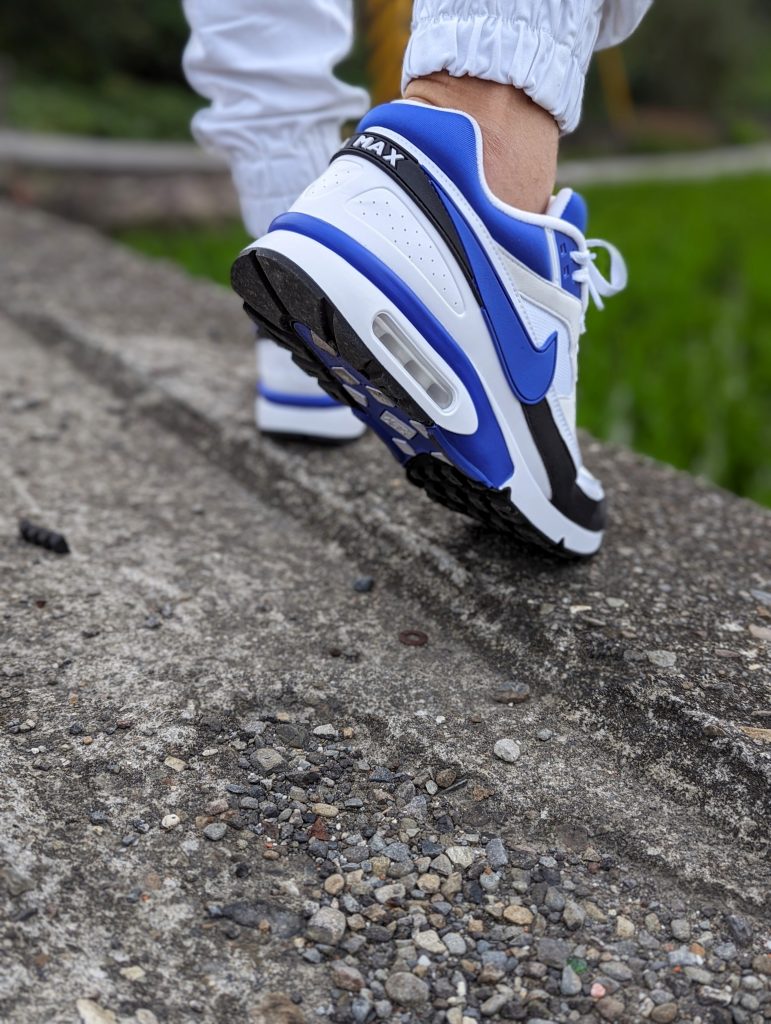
[[598, 286]]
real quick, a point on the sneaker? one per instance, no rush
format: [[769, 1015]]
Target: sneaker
[[291, 403], [447, 319]]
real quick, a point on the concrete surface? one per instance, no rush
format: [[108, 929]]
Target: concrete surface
[[212, 578]]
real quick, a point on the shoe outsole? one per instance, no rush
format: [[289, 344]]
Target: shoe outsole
[[284, 301]]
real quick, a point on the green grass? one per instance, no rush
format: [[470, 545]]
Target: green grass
[[679, 365], [118, 107]]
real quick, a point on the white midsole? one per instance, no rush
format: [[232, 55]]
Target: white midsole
[[360, 302]]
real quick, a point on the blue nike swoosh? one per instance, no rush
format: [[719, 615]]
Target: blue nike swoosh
[[529, 370]]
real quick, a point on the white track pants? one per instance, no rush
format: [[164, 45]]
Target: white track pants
[[276, 108]]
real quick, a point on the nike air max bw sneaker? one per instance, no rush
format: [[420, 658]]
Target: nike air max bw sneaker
[[289, 402], [446, 319]]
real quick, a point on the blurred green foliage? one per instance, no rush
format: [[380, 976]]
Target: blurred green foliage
[[679, 365], [89, 41], [700, 54], [121, 107], [708, 56]]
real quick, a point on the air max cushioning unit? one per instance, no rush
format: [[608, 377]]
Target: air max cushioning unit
[[447, 320]]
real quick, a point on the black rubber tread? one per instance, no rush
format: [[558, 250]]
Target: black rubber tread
[[277, 294]]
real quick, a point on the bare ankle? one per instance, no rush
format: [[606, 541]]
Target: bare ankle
[[521, 139]]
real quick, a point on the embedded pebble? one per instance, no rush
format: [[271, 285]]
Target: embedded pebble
[[334, 884], [461, 856], [570, 983], [406, 989], [610, 1008], [346, 977], [661, 659], [215, 831], [507, 750], [267, 759], [430, 941], [92, 1013], [327, 925], [511, 693], [518, 915], [325, 810], [496, 853]]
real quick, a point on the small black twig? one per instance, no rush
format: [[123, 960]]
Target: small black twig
[[43, 537]]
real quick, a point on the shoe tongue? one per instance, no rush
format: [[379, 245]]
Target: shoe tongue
[[570, 206]]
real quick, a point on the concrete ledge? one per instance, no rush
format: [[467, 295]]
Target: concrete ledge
[[115, 183], [120, 182], [39, 151], [656, 651]]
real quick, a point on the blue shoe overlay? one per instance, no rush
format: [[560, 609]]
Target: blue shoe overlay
[[484, 455], [448, 139]]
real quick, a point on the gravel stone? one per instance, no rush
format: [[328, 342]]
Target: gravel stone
[[430, 941], [740, 929], [617, 971], [553, 952], [507, 750], [346, 977], [511, 693], [387, 893], [515, 914], [661, 659], [573, 915], [494, 1004], [496, 854], [455, 943], [762, 964], [610, 1008], [570, 983], [325, 810], [399, 852], [267, 759], [461, 856], [406, 990], [445, 777], [664, 1013], [92, 1013], [327, 925], [215, 831]]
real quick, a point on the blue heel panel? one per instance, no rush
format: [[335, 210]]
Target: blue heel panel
[[449, 140]]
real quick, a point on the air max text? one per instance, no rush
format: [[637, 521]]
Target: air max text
[[377, 146]]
